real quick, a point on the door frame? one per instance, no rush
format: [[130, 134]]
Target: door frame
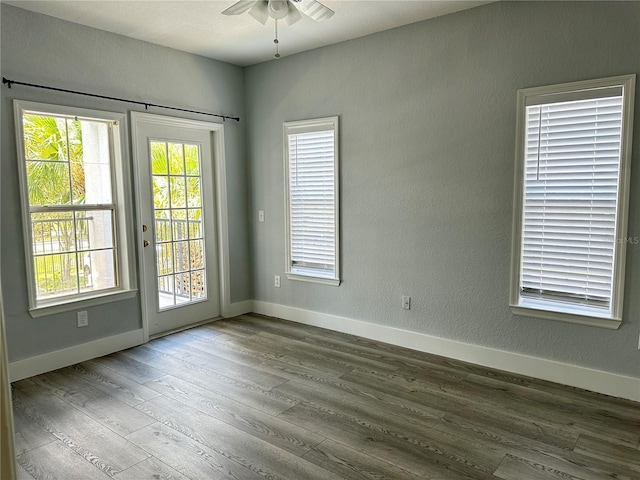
[[216, 130]]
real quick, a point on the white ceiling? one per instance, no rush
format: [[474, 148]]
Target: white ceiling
[[199, 27]]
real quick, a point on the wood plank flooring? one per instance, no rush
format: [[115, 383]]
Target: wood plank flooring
[[261, 398]]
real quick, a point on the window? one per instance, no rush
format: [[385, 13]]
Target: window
[[73, 195], [312, 217], [571, 201]]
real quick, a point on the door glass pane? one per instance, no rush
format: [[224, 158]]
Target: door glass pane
[[180, 260], [198, 284], [164, 259], [176, 159], [192, 160], [196, 254], [163, 225], [193, 192], [183, 288], [158, 158], [179, 224], [178, 197], [181, 256], [195, 223]]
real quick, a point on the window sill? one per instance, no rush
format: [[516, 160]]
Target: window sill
[[534, 309], [77, 304], [307, 278]]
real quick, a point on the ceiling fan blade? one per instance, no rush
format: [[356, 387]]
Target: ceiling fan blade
[[260, 11], [293, 16], [313, 9], [240, 7]]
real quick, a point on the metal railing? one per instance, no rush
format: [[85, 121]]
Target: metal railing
[[174, 257], [58, 245]]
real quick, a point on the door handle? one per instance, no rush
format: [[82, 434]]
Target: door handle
[[144, 228], [145, 243]]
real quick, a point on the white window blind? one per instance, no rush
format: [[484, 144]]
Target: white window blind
[[571, 194], [312, 219], [312, 198]]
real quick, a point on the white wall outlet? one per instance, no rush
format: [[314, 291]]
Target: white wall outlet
[[83, 319], [406, 302], [276, 281], [261, 216]]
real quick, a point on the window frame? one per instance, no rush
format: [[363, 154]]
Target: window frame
[[122, 211], [304, 126], [557, 309]]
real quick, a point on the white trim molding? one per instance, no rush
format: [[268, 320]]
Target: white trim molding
[[323, 134], [238, 308], [558, 372], [69, 356], [216, 131], [50, 361], [119, 182], [534, 289]]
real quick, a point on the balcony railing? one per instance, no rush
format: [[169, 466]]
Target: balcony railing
[[179, 258], [61, 246]]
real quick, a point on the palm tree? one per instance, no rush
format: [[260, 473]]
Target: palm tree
[[53, 150], [55, 177]]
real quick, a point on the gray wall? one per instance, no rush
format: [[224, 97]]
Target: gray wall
[[427, 116], [427, 142], [45, 50]]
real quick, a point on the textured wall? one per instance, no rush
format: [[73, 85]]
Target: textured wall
[[45, 50], [427, 116]]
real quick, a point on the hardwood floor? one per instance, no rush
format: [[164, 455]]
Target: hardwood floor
[[257, 397]]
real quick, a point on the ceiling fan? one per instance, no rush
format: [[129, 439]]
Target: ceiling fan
[[288, 10]]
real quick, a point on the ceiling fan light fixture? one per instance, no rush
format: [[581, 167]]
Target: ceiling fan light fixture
[[278, 9], [290, 11]]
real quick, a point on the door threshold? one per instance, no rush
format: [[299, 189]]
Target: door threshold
[[186, 327]]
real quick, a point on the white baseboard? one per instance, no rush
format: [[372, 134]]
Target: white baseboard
[[79, 353], [564, 373], [239, 308], [68, 356], [567, 374]]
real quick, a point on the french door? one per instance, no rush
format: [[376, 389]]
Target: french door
[[177, 231]]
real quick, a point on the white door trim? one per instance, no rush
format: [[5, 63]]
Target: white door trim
[[220, 185]]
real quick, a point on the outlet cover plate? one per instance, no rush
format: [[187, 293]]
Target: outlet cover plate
[[83, 319]]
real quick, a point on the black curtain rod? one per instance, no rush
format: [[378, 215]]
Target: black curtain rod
[[145, 104]]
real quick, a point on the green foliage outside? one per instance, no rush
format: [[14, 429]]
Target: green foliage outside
[[177, 201], [55, 176]]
